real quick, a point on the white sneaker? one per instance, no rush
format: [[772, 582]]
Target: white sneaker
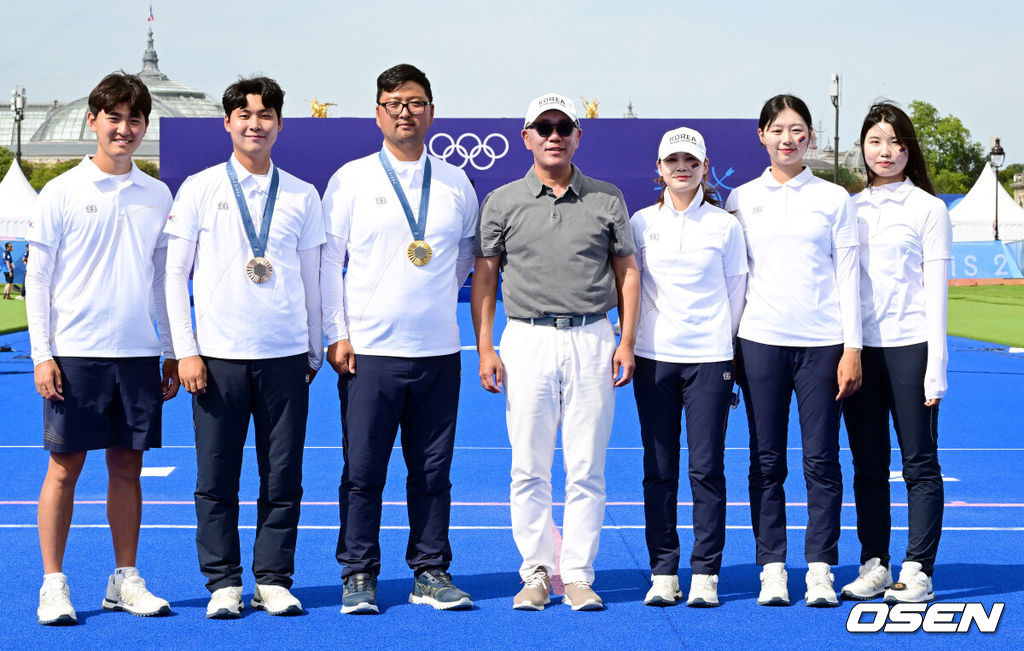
[[871, 582], [276, 600], [820, 593], [774, 588], [664, 590], [133, 597], [703, 591], [914, 586], [225, 603], [55, 603]]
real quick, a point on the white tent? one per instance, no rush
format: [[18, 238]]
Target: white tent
[[17, 204], [974, 217]]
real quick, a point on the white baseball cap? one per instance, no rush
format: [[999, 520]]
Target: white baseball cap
[[548, 102], [682, 140]]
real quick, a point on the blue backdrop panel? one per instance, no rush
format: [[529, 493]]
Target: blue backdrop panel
[[994, 259], [490, 150]]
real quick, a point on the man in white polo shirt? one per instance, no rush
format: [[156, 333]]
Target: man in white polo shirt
[[96, 274], [406, 221], [251, 235], [565, 251]]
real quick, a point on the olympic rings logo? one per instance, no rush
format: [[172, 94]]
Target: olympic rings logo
[[480, 148]]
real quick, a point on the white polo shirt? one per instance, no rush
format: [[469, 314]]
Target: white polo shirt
[[793, 231], [901, 228], [103, 231], [235, 317], [386, 305], [684, 259]]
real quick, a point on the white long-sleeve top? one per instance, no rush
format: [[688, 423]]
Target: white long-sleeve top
[[906, 244], [235, 317], [803, 286]]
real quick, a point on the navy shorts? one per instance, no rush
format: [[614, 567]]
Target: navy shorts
[[108, 402], [9, 276]]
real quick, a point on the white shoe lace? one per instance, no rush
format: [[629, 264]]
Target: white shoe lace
[[55, 592], [133, 588], [773, 581], [875, 575], [819, 576], [582, 585], [537, 580], [662, 582], [707, 582]]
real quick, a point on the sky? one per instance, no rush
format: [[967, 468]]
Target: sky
[[679, 60]]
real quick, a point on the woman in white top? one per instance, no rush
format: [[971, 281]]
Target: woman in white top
[[693, 271], [800, 332], [905, 236]]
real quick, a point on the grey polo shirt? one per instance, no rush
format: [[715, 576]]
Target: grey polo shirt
[[555, 252]]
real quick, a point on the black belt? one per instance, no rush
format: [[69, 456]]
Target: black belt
[[560, 322]]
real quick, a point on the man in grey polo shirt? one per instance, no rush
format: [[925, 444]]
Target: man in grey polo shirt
[[565, 250]]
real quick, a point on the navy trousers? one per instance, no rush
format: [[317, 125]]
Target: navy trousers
[[664, 391], [420, 396], [771, 374], [274, 392], [894, 383]]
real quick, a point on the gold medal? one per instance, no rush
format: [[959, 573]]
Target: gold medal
[[259, 270], [419, 253]]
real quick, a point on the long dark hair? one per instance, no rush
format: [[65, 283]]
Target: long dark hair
[[916, 169]]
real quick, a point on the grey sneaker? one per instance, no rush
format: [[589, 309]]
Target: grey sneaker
[[434, 587], [132, 596], [360, 596], [580, 596], [536, 593]]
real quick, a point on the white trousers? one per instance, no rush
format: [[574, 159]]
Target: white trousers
[[558, 378]]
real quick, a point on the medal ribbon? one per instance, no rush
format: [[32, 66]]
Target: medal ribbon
[[259, 245], [418, 228]]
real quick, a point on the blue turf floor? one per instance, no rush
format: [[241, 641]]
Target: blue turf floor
[[981, 558]]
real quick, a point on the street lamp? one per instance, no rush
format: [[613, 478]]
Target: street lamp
[[996, 158], [833, 93], [18, 108]]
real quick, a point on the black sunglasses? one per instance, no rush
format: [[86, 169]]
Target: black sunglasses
[[544, 129]]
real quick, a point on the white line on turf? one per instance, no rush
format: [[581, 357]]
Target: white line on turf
[[156, 471]]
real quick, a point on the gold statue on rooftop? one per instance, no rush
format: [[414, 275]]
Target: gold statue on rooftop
[[319, 109], [591, 106]]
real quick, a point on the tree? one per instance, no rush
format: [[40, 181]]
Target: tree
[[1007, 173], [850, 181], [43, 174], [954, 159], [39, 174]]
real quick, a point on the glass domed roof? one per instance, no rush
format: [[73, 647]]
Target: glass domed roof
[[171, 99]]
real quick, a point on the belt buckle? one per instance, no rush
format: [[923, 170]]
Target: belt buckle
[[563, 322]]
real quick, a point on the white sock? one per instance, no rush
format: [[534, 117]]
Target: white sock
[[122, 572], [55, 576]]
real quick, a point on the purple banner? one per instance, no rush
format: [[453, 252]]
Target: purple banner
[[489, 150]]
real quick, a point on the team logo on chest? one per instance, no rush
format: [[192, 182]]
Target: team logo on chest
[[91, 209], [758, 210], [223, 205], [653, 237], [381, 200]]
